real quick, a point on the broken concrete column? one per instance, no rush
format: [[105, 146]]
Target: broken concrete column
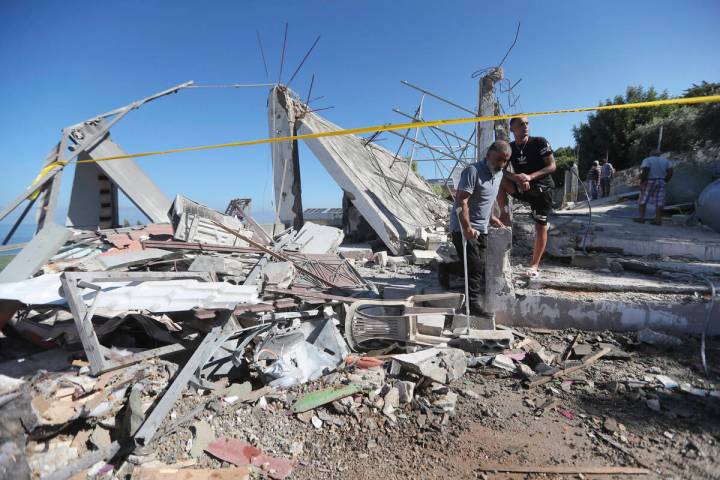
[[285, 157], [486, 108], [498, 274]]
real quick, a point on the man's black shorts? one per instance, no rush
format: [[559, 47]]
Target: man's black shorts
[[540, 201]]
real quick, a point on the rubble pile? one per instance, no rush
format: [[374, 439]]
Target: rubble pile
[[209, 348], [209, 306]]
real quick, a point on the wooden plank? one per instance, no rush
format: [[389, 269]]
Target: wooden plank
[[561, 373], [85, 329], [152, 422], [144, 355], [568, 351], [564, 469]]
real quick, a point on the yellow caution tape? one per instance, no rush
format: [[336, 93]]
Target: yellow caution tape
[[403, 126], [45, 170], [383, 128]]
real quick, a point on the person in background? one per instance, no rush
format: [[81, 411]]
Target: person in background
[[607, 172], [593, 178], [655, 172]]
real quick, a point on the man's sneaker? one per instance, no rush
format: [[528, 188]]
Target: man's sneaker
[[443, 276]]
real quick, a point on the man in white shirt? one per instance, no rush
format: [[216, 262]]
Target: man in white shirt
[[655, 172], [607, 171]]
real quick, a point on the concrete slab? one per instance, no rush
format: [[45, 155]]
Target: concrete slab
[[392, 198], [36, 253], [424, 257], [613, 228], [361, 252], [535, 309]]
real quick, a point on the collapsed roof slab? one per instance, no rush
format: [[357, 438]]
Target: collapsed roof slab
[[393, 199]]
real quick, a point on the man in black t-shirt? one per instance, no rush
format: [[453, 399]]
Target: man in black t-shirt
[[530, 182]]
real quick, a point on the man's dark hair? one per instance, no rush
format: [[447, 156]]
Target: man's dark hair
[[514, 119]]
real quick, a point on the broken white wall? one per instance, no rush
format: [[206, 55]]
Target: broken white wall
[[393, 206]]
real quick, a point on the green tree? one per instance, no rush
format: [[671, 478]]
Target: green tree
[[628, 136], [564, 159], [126, 222], [707, 121], [610, 132]]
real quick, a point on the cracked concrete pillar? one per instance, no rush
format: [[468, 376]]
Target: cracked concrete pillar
[[285, 158], [487, 103], [498, 277]]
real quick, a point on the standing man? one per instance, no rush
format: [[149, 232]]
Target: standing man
[[530, 182], [607, 172], [593, 178], [475, 197], [655, 172]]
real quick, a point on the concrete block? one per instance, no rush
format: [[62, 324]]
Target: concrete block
[[442, 365], [360, 252], [424, 257], [222, 265], [435, 240], [582, 349], [431, 323], [421, 236], [406, 390], [397, 261], [400, 292], [320, 239], [460, 322], [526, 372], [498, 274], [278, 273], [483, 341], [592, 262], [381, 258], [503, 362]]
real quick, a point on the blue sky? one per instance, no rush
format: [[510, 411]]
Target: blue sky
[[64, 62]]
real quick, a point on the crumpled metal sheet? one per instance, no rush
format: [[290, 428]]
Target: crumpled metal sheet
[[154, 296], [299, 355]]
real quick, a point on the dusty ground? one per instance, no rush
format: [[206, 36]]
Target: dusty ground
[[501, 422]]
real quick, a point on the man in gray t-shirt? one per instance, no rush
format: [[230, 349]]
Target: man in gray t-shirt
[[474, 199]]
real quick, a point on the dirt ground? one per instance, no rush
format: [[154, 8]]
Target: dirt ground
[[497, 420]]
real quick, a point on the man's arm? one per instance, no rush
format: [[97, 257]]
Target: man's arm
[[521, 180], [549, 168], [468, 231], [668, 174], [496, 222], [644, 174]]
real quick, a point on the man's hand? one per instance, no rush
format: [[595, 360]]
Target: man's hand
[[469, 233], [522, 178], [524, 187], [497, 223]]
